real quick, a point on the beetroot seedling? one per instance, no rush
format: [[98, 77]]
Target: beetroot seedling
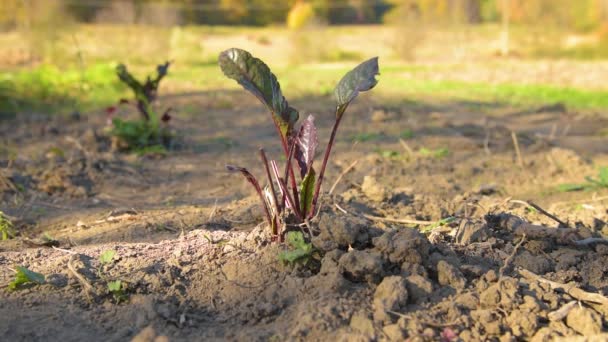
[[24, 276], [151, 130], [287, 199]]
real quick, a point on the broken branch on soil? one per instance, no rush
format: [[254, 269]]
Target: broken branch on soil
[[546, 213], [518, 226], [347, 170], [572, 290], [64, 250], [562, 312], [88, 287], [590, 241]]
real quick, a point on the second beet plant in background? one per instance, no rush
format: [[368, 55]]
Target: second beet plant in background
[[287, 199]]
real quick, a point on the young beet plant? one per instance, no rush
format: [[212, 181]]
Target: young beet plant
[[149, 130], [291, 199]]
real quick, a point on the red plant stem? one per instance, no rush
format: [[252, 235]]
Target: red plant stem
[[289, 166], [269, 177], [288, 172], [339, 112], [258, 189], [289, 199]]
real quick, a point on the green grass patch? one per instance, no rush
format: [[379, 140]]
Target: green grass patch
[[511, 94], [48, 88]]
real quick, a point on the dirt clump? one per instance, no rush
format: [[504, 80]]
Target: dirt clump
[[450, 275], [584, 321], [390, 295], [337, 231], [399, 246], [360, 266]]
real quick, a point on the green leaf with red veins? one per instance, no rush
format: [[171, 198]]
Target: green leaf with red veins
[[306, 145]]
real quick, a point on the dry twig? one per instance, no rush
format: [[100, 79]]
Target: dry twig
[[347, 170], [562, 312], [520, 160], [88, 287], [572, 290], [546, 213], [520, 227], [508, 260]]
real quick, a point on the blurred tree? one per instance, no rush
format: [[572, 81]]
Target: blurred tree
[[235, 11]]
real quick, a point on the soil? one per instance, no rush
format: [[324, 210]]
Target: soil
[[196, 261]]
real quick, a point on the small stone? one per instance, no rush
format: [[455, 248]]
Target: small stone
[[229, 248], [390, 295], [450, 275]]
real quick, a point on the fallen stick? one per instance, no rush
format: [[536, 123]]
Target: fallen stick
[[88, 287], [520, 227], [520, 160], [572, 290], [508, 261], [590, 241], [407, 148], [562, 312], [347, 170], [548, 214]]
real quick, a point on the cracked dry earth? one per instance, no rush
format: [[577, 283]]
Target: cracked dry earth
[[197, 263]]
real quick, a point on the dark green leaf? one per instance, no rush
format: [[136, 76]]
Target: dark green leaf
[[307, 189], [256, 77], [361, 78], [25, 276]]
